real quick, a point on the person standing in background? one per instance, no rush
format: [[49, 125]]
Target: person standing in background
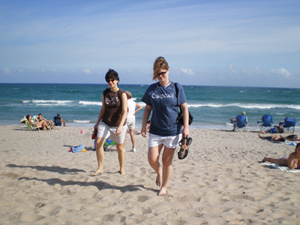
[[131, 111]]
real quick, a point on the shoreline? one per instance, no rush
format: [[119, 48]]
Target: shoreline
[[220, 181], [139, 125]]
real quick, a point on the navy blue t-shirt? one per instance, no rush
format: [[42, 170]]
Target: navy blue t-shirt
[[164, 108]]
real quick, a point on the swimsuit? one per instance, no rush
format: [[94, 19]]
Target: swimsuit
[[283, 158]]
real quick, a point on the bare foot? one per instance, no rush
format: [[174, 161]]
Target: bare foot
[[163, 191], [158, 178], [264, 159], [98, 171], [122, 172]]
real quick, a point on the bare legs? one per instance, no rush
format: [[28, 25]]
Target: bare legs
[[100, 156], [164, 174], [153, 159], [43, 124], [121, 157], [281, 162], [131, 132]]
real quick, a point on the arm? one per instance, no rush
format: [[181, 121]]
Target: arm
[[123, 114], [185, 111], [138, 106], [101, 113], [146, 115]]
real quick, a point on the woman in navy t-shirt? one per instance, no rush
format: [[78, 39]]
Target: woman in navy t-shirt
[[161, 100]]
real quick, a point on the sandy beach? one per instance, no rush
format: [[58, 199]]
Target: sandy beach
[[220, 182]]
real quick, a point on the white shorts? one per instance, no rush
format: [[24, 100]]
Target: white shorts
[[131, 123], [168, 141], [105, 131]]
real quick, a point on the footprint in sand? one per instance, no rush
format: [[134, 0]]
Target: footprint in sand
[[143, 198]]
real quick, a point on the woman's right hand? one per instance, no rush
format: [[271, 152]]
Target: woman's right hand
[[96, 126]]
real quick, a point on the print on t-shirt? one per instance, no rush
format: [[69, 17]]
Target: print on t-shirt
[[111, 98]]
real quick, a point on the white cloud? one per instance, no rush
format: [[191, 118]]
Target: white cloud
[[282, 71], [87, 71], [252, 71], [5, 70], [54, 70], [187, 71], [43, 69], [20, 70], [232, 69]]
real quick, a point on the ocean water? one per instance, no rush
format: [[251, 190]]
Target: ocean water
[[211, 106]]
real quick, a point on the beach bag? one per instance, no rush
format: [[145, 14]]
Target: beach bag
[[180, 114], [180, 118]]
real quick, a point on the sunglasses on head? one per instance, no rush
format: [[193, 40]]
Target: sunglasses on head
[[110, 80], [161, 73]]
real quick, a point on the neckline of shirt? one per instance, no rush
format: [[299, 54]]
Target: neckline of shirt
[[159, 85]]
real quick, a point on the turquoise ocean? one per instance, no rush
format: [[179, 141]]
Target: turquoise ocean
[[211, 106]]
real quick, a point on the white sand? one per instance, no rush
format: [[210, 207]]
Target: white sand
[[220, 182]]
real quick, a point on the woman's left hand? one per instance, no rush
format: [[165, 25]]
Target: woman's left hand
[[185, 132]]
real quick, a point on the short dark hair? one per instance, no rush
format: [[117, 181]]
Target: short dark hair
[[112, 74], [58, 114]]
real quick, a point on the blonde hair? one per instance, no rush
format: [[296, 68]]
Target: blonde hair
[[160, 63], [129, 95]]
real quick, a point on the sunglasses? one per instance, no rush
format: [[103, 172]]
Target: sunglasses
[[161, 73], [111, 80]]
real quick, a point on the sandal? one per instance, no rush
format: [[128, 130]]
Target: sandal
[[184, 147]]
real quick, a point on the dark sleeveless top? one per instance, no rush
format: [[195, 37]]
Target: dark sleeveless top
[[113, 107]]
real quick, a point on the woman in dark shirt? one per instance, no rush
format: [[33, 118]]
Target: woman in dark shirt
[[165, 132], [111, 120]]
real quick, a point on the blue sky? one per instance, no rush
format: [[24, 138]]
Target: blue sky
[[227, 43]]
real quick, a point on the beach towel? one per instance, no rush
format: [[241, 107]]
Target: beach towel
[[282, 168], [292, 143], [79, 148]]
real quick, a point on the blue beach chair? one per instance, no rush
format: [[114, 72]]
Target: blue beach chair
[[289, 125], [107, 144], [265, 123], [240, 123]]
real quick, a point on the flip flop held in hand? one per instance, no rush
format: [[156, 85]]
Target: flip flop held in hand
[[184, 147]]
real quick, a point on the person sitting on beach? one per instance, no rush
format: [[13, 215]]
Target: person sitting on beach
[[233, 121], [131, 106], [275, 129], [41, 118], [58, 121], [292, 161], [41, 123], [280, 138]]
